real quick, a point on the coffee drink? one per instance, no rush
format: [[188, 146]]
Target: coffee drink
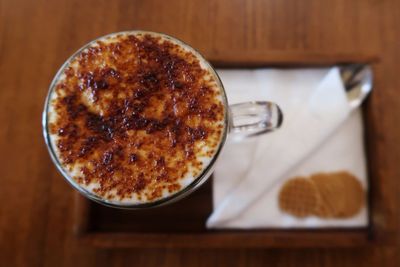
[[135, 117]]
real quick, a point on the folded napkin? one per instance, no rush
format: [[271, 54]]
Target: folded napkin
[[320, 133]]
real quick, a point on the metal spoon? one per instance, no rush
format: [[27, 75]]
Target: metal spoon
[[357, 79]]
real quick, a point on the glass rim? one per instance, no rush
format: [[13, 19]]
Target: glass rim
[[199, 180]]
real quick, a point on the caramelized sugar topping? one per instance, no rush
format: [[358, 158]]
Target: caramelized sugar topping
[[133, 116]]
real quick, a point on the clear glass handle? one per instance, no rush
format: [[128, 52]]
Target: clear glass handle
[[254, 118]]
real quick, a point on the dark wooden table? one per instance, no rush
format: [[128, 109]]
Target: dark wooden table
[[36, 208]]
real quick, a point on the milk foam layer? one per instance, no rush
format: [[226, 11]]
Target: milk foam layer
[[185, 100]]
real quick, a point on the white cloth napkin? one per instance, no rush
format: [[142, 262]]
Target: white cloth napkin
[[319, 133]]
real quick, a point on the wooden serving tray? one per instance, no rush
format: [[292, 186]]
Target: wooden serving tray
[[182, 224]]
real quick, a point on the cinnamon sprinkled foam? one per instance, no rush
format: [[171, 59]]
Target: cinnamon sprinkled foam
[[136, 117]]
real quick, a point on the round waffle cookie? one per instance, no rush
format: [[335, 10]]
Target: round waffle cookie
[[341, 194], [298, 196]]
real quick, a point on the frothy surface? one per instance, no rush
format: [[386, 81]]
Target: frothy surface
[[135, 117]]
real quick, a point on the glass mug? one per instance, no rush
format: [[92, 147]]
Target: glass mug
[[240, 121]]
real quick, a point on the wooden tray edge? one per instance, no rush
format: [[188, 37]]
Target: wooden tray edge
[[253, 239]]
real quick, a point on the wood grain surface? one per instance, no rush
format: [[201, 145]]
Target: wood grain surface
[[36, 37]]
